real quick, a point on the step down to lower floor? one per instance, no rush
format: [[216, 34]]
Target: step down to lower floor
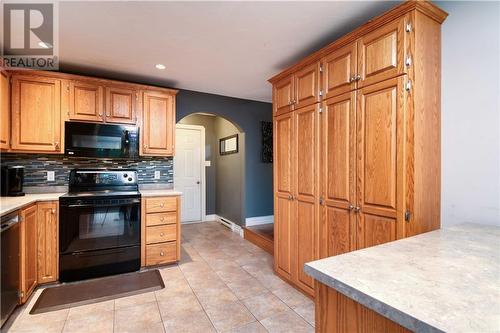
[[262, 236]]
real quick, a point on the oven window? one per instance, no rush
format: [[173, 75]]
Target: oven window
[[103, 222], [96, 141]]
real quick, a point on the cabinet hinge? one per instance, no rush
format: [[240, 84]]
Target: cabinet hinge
[[321, 201], [408, 61], [321, 68], [20, 294], [67, 88], [320, 110], [408, 27], [408, 85], [321, 92], [407, 215]]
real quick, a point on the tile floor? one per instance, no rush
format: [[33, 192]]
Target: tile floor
[[222, 284]]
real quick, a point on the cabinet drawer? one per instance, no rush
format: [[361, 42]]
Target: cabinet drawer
[[161, 233], [161, 253], [161, 218], [164, 204]]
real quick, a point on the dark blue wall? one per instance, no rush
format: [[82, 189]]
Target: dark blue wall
[[247, 115]]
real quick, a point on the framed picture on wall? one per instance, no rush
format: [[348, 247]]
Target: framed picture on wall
[[228, 145], [267, 141]]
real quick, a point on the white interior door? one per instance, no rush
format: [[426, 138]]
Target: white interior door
[[188, 175]]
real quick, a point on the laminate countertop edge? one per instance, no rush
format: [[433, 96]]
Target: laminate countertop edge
[[11, 204]]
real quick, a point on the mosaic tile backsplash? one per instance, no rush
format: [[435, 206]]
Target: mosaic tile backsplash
[[36, 167]]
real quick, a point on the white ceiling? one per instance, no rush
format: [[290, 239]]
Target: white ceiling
[[226, 48]]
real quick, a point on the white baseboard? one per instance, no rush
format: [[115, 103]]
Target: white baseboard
[[231, 225], [257, 220], [211, 217]]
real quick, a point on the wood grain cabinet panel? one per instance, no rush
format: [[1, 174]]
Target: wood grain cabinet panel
[[162, 204], [161, 253], [306, 84], [36, 114], [4, 110], [380, 156], [86, 101], [48, 236], [121, 104], [28, 262], [340, 70], [283, 95], [161, 233], [161, 218], [158, 129], [381, 53]]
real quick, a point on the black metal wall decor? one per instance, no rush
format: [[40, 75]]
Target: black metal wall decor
[[267, 141], [228, 145]]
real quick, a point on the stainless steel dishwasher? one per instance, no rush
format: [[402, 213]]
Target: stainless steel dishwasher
[[10, 264]]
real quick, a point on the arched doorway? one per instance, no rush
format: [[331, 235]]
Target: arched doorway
[[209, 168]]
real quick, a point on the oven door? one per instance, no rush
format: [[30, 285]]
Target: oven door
[[101, 140], [94, 224]]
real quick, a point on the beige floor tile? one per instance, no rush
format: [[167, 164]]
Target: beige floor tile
[[215, 296], [229, 315], [141, 328], [178, 305], [33, 326], [143, 315], [82, 311], [265, 305], [233, 274], [95, 322], [134, 300], [306, 311], [173, 287], [254, 327], [193, 322], [291, 297], [287, 322], [246, 287]]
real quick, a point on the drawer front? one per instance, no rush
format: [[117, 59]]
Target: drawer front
[[163, 204], [161, 233], [161, 253], [161, 219]]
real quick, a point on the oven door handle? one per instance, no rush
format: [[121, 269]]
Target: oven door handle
[[106, 205]]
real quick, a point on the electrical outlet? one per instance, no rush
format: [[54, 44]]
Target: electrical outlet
[[51, 176], [157, 174]]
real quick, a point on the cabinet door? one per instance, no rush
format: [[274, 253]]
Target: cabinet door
[[36, 114], [381, 53], [158, 130], [380, 172], [121, 105], [306, 84], [86, 101], [48, 252], [28, 264], [338, 156], [306, 194], [283, 95], [339, 71], [283, 193], [4, 111]]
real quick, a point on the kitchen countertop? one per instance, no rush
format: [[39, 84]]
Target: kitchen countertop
[[10, 204], [445, 280]]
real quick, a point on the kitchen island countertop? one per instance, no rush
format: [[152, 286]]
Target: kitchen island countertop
[[445, 280]]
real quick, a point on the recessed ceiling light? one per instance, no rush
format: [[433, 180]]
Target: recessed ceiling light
[[44, 45], [160, 66]]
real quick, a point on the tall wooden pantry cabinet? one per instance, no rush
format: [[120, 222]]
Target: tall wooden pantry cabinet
[[357, 141]]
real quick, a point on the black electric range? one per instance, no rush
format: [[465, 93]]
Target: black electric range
[[99, 224]]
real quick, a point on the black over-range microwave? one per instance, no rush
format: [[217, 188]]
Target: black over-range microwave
[[101, 140]]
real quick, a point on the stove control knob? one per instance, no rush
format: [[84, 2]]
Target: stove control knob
[[125, 175], [130, 179]]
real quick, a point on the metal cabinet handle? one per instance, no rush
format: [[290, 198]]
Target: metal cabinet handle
[[162, 204], [162, 253], [57, 145], [351, 207], [357, 209], [290, 197], [145, 146], [162, 219], [53, 211], [352, 79], [162, 234]]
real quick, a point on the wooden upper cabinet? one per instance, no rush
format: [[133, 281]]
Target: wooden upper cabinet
[[283, 95], [158, 126], [86, 101], [36, 114], [381, 53], [48, 241], [380, 139], [121, 105], [28, 264], [4, 111], [306, 84], [339, 71], [338, 156]]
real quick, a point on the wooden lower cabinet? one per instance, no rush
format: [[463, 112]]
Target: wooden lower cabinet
[[4, 110], [161, 230], [337, 313], [48, 241], [29, 252]]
